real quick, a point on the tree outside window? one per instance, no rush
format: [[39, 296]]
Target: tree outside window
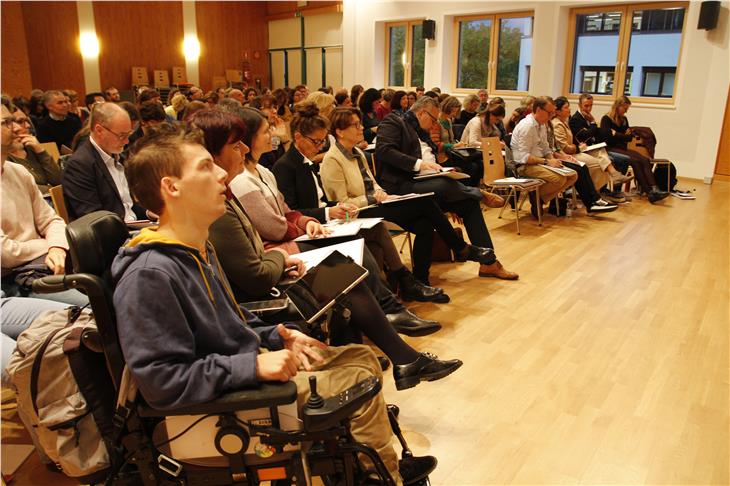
[[405, 54], [498, 59]]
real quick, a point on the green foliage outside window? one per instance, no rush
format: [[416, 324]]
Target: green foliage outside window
[[474, 40], [418, 56], [396, 70]]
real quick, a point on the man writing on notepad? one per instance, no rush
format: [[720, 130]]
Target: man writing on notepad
[[534, 158]]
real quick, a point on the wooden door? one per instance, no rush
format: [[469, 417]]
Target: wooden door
[[722, 166]]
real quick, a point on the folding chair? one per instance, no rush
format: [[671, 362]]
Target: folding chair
[[494, 177], [637, 145]]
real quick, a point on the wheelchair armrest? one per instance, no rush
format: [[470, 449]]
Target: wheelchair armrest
[[266, 395]]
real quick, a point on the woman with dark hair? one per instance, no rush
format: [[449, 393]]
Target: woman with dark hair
[[615, 130], [347, 178], [598, 162], [355, 93], [249, 95], [367, 104], [485, 124], [399, 103], [252, 270]]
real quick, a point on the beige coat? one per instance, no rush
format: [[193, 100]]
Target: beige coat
[[342, 179]]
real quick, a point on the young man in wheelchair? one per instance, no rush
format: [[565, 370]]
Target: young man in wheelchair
[[184, 338]]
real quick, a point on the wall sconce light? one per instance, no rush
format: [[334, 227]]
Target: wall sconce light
[[191, 48], [89, 45]]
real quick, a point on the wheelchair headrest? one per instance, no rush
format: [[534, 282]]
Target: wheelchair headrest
[[94, 241]]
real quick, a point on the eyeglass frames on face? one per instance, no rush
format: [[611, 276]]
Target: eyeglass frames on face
[[316, 142], [120, 136], [8, 122], [429, 114]]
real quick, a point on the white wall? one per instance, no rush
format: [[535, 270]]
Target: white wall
[[688, 132]]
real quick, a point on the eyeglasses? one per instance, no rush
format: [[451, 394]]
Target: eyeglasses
[[429, 114], [240, 146], [316, 142], [120, 136], [22, 121], [357, 125], [8, 122]]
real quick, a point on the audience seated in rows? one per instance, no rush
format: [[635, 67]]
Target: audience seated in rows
[[297, 178], [209, 344], [404, 149]]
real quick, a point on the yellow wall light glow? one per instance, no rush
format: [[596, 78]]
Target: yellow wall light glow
[[191, 48], [89, 45]]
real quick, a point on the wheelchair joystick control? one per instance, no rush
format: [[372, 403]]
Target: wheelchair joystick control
[[315, 399]]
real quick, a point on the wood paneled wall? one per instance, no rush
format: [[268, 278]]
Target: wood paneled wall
[[148, 34], [52, 35], [40, 42], [227, 32], [15, 66]]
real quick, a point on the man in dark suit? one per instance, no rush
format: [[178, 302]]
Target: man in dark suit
[[403, 149], [298, 180], [58, 126], [94, 177]]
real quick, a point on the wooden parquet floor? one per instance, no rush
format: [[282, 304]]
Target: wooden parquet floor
[[606, 363]]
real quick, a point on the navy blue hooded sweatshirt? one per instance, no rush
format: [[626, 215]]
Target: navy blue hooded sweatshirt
[[183, 336]]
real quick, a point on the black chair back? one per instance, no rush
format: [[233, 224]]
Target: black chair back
[[94, 241]]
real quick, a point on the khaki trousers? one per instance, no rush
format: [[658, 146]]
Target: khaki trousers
[[596, 168], [342, 367], [554, 182]]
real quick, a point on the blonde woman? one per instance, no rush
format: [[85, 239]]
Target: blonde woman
[[177, 105], [616, 132]]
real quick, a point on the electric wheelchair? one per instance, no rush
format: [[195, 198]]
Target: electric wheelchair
[[243, 437]]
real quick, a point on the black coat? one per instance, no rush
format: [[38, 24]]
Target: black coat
[[295, 182], [584, 131], [396, 151], [88, 186]]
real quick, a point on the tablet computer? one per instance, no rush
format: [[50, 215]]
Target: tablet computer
[[331, 279]]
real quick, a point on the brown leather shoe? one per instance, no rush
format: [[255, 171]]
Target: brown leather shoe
[[498, 271], [492, 200]]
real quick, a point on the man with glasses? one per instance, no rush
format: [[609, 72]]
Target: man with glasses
[[94, 178], [534, 158], [403, 150], [58, 126], [27, 151]]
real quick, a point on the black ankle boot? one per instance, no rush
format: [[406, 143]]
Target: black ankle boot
[[412, 289], [656, 195]]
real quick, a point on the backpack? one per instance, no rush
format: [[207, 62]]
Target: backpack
[[65, 394]]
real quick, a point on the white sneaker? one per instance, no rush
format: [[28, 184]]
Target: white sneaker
[[602, 206], [683, 195]]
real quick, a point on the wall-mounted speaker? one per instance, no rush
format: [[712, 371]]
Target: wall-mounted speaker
[[709, 12], [429, 29]]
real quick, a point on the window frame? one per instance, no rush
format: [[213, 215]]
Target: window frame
[[491, 81], [407, 73], [622, 53]]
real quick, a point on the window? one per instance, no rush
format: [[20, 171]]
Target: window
[[612, 43], [658, 81], [405, 54], [494, 52]]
